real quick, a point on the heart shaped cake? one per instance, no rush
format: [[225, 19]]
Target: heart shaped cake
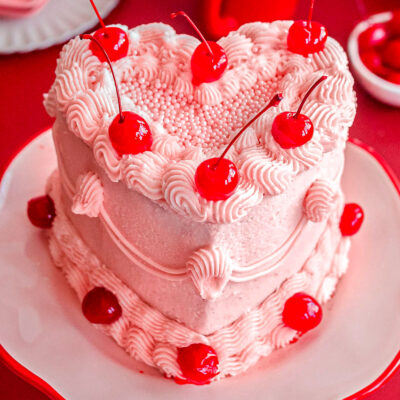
[[197, 283]]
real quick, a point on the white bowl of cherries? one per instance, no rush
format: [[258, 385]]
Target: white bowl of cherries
[[374, 52]]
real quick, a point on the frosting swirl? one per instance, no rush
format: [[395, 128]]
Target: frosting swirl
[[89, 196], [210, 270], [319, 200]]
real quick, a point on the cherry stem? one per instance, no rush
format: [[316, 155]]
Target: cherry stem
[[273, 103], [310, 13], [97, 13], [174, 15], [86, 36], [308, 94]]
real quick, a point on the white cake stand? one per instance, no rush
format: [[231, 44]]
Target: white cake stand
[[42, 326], [58, 21]]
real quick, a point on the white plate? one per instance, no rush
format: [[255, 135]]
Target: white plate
[[58, 21], [43, 328]]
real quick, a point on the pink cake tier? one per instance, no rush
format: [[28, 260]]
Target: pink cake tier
[[184, 269]]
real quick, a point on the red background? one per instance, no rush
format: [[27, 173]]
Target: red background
[[25, 77]]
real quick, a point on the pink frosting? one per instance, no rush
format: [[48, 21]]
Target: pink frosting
[[210, 268], [190, 122], [151, 337], [89, 195], [319, 200]]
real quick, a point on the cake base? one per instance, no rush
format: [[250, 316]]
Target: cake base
[[149, 336]]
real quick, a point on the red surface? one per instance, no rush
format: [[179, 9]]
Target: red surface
[[24, 79]]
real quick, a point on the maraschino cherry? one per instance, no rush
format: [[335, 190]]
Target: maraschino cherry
[[391, 54], [129, 133], [198, 362], [100, 306], [393, 77], [373, 61], [291, 129], [217, 178], [41, 211], [374, 36], [352, 219], [307, 37], [113, 39], [302, 312], [209, 60]]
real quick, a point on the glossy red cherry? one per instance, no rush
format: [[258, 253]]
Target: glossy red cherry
[[393, 77], [209, 60], [217, 178], [100, 306], [307, 37], [130, 135], [207, 67], [373, 36], [292, 129], [198, 362], [114, 40], [41, 211], [302, 312], [352, 219], [216, 181], [373, 61], [391, 54]]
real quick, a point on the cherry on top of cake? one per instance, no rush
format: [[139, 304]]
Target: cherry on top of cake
[[217, 178], [129, 133], [113, 39], [307, 37], [209, 60], [208, 128]]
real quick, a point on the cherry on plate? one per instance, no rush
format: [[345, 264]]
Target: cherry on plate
[[198, 362], [100, 306], [302, 312], [352, 219], [41, 211]]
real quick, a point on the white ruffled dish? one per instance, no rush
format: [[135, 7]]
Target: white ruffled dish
[[58, 21], [46, 332]]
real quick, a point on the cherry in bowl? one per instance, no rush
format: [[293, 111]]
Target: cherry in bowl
[[379, 48]]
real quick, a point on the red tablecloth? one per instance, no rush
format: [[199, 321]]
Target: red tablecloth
[[24, 79]]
